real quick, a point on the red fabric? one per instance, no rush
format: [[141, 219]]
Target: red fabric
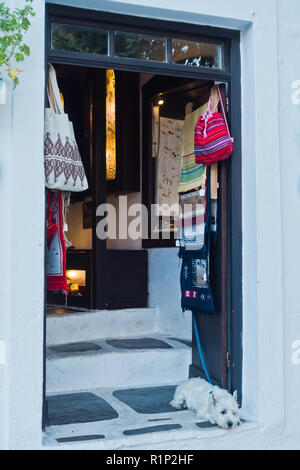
[[212, 140], [56, 270]]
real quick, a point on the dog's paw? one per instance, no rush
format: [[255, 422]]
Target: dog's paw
[[175, 404]]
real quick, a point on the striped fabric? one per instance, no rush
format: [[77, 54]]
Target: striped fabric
[[192, 175], [212, 140], [192, 220]]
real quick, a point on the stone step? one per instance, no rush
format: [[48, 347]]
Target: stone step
[[114, 418], [122, 362], [89, 325]]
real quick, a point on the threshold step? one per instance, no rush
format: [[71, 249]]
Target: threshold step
[[117, 362], [114, 418], [69, 326]]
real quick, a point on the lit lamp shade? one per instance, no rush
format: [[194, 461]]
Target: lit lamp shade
[[111, 163], [76, 279]]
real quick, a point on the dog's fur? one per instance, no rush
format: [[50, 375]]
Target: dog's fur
[[208, 402]]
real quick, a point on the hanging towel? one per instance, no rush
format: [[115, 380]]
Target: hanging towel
[[192, 175], [192, 219], [56, 249]]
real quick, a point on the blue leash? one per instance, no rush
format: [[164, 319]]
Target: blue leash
[[200, 349]]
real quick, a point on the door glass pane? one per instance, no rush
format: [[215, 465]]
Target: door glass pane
[[140, 46], [78, 39], [197, 54]]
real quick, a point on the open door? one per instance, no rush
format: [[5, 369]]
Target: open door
[[213, 329], [183, 96]]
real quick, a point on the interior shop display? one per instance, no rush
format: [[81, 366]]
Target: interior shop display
[[166, 164], [63, 166], [199, 208]]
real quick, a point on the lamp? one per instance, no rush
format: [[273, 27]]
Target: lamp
[[111, 160], [76, 279]]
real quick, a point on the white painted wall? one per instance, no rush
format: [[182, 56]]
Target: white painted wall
[[270, 62], [5, 157], [164, 292], [289, 128], [22, 248]]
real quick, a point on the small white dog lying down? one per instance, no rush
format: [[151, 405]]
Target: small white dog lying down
[[208, 402]]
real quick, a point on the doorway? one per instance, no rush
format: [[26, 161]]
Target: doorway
[[166, 71], [105, 273]]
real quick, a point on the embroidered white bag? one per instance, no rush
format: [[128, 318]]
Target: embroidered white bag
[[63, 166]]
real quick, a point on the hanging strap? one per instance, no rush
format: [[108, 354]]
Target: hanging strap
[[208, 109], [216, 106], [208, 114], [224, 114], [53, 92]]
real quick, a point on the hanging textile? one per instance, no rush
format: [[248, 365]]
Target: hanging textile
[[62, 162], [192, 219], [56, 249], [213, 141], [168, 161], [192, 175], [196, 293], [195, 286]]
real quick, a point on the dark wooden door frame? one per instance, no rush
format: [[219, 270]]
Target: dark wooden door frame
[[234, 230], [234, 187], [99, 258]]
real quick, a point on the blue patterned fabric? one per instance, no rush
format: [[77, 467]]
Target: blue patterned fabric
[[195, 287], [196, 294]]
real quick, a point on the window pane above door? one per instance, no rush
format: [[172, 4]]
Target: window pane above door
[[197, 54], [140, 46], [79, 39]]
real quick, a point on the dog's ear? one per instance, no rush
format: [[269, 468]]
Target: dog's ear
[[213, 398], [235, 395]]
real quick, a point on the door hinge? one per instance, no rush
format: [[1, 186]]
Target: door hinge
[[227, 104], [228, 360]]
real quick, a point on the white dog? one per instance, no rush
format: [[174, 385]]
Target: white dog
[[208, 402]]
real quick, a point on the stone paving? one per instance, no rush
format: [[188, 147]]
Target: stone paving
[[111, 415]]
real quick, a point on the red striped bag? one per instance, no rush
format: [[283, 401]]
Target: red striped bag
[[212, 136]]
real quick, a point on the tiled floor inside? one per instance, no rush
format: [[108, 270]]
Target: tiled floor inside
[[89, 347], [109, 416], [60, 310]]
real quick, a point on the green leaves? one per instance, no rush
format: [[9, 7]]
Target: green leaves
[[16, 81], [19, 57], [13, 24]]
